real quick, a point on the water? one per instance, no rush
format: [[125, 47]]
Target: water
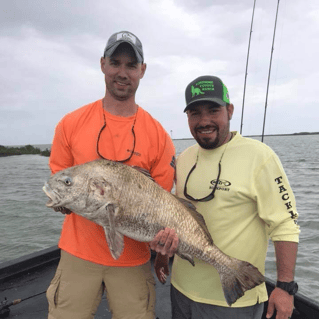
[[27, 225]]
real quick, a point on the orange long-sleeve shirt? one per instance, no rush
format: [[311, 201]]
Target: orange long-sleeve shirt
[[75, 142]]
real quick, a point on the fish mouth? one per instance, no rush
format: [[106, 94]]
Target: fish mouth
[[54, 200]]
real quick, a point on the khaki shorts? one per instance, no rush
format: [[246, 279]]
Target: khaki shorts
[[77, 288]]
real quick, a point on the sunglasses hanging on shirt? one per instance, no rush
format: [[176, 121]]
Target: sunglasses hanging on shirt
[[212, 194], [98, 140]]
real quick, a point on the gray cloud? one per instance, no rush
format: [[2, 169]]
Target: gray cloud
[[50, 52]]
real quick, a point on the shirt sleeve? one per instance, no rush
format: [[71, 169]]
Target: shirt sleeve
[[276, 202], [61, 156], [163, 171]]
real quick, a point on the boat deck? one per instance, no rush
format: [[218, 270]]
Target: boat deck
[[28, 277], [38, 272]]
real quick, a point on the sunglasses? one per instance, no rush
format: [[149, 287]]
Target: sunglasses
[[98, 140], [208, 197], [212, 194]]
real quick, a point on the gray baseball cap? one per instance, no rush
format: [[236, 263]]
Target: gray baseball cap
[[121, 37], [206, 88]]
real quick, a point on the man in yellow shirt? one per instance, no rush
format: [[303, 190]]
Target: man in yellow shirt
[[252, 202]]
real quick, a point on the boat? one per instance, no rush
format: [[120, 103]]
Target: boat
[[24, 280]]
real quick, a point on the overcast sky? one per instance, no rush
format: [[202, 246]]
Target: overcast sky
[[50, 60]]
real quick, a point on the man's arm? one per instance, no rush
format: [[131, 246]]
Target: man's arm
[[286, 254]]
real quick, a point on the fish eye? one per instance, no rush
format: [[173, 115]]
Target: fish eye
[[68, 181]]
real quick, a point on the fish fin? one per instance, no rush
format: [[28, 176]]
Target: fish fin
[[115, 240], [237, 279], [144, 171], [185, 202], [187, 257], [199, 217], [192, 209]]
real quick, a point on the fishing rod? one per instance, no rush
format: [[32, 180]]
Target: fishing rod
[[272, 50], [251, 31], [4, 305]]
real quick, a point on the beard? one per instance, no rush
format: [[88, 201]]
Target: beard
[[211, 142], [207, 144]]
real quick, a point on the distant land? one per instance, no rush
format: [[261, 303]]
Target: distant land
[[29, 149], [301, 133], [291, 134]]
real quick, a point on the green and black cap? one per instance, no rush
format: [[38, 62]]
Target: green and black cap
[[206, 88], [124, 37]]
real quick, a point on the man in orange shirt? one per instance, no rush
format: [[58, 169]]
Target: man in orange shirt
[[115, 128]]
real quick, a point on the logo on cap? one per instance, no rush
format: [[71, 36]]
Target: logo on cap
[[201, 87], [226, 94], [196, 91], [126, 36]]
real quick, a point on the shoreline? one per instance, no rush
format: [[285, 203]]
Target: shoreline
[[290, 134], [6, 151], [29, 149]]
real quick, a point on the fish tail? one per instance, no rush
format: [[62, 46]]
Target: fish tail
[[237, 278]]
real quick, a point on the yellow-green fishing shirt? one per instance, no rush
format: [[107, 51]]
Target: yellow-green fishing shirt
[[253, 202]]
